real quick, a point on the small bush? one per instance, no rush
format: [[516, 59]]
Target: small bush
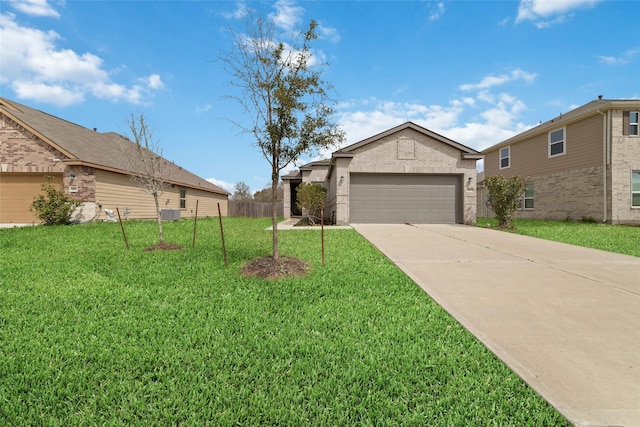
[[504, 194], [310, 198], [54, 207]]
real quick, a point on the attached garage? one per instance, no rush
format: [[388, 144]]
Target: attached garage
[[406, 174], [399, 198], [17, 191]]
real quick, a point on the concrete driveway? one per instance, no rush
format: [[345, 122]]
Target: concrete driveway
[[566, 319]]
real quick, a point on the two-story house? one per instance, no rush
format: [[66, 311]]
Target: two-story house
[[584, 164]]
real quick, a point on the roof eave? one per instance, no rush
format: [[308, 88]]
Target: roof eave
[[74, 162]]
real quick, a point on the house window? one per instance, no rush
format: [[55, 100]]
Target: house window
[[183, 198], [528, 196], [633, 122], [526, 201], [635, 189], [505, 157], [557, 142]]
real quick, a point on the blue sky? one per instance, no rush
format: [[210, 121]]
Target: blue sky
[[477, 72]]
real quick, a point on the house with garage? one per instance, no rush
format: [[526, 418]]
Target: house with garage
[[90, 166], [581, 165], [407, 174]]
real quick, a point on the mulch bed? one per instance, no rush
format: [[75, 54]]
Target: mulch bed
[[164, 246], [268, 268]]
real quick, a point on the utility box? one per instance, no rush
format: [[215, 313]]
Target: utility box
[[170, 214]]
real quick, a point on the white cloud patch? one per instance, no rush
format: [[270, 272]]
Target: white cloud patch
[[545, 13], [490, 81], [240, 11], [625, 58], [479, 120], [437, 13], [39, 8], [287, 16], [229, 186], [201, 109], [328, 33], [37, 69]]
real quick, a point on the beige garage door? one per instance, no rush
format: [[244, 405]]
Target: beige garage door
[[17, 191], [413, 199]]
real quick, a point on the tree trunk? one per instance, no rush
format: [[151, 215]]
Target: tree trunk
[[274, 212], [160, 234]]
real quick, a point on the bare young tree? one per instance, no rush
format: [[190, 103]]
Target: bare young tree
[[242, 192], [142, 155], [281, 89]]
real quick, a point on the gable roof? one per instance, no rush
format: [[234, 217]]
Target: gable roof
[[589, 109], [88, 147], [466, 152]]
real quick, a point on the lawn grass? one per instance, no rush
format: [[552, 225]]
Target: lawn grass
[[623, 239], [91, 333]]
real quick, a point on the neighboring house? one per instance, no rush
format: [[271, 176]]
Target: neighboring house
[[90, 166], [582, 165], [407, 174]]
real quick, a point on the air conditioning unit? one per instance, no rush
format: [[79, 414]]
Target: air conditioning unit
[[170, 214]]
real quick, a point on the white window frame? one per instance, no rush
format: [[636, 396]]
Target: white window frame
[[563, 141], [525, 198], [635, 192], [522, 201], [182, 200], [635, 124], [507, 157]]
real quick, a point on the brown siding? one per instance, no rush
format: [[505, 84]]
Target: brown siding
[[583, 149], [207, 202], [116, 190]]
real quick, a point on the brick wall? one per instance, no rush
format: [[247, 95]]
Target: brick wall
[[22, 151], [625, 158]]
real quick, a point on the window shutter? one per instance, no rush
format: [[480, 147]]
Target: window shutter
[[625, 122]]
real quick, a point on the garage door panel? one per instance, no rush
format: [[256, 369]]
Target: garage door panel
[[17, 191], [388, 198]]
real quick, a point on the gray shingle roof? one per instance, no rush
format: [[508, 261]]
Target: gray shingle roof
[[100, 150]]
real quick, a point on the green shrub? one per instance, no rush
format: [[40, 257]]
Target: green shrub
[[504, 194], [310, 198], [54, 207]]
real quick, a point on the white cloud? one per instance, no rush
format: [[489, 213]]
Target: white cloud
[[437, 13], [51, 94], [229, 186], [35, 8], [36, 68], [200, 109], [490, 81], [287, 16], [477, 122], [328, 33], [240, 12], [545, 13], [154, 82], [625, 58]]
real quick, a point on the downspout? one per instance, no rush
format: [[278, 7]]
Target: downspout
[[604, 163]]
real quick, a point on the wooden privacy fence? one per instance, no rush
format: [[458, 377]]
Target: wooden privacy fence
[[251, 209]]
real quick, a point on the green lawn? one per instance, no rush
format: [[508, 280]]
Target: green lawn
[[91, 333], [623, 239]]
